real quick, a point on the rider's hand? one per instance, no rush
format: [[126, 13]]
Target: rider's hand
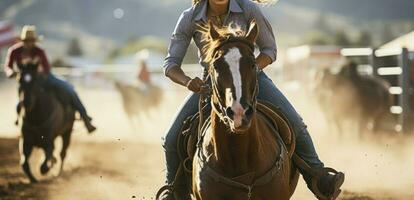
[[195, 84], [9, 73]]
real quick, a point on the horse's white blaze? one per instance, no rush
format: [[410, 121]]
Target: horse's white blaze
[[232, 58]]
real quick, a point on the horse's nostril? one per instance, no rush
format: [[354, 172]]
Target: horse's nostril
[[229, 112], [249, 111]]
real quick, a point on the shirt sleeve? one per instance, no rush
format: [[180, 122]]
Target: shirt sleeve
[[179, 42], [8, 64], [266, 40], [44, 62]]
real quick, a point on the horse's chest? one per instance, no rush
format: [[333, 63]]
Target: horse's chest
[[37, 136]]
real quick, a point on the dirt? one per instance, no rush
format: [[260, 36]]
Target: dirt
[[111, 170], [104, 170], [119, 162]]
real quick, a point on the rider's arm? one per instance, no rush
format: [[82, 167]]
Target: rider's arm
[[177, 49], [265, 40], [177, 75], [263, 61], [8, 65], [44, 62]]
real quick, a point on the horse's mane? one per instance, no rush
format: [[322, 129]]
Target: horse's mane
[[233, 32]]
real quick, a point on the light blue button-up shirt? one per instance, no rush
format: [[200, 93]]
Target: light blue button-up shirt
[[241, 12]]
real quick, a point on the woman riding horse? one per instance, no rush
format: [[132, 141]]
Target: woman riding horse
[[28, 53], [240, 155], [223, 13]]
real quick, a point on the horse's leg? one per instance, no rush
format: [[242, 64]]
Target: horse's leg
[[66, 142], [49, 160], [27, 148]]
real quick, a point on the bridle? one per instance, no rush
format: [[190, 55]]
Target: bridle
[[219, 109]]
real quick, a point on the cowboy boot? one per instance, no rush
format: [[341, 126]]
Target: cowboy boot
[[87, 120], [329, 185]]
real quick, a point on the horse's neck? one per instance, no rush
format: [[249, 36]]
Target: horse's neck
[[235, 153]]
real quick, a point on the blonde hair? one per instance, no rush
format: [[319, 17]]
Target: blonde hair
[[264, 2]]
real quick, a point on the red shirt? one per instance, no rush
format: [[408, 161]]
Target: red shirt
[[144, 75], [17, 54]]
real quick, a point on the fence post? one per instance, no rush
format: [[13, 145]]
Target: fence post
[[405, 85], [374, 64]]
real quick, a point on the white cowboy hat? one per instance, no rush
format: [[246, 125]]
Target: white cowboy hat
[[29, 33]]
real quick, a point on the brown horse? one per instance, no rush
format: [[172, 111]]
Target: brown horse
[[348, 97], [45, 118], [240, 155]]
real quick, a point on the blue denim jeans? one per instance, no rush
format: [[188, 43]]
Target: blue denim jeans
[[66, 90], [268, 92]]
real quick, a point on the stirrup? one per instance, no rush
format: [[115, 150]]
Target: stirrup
[[315, 188]]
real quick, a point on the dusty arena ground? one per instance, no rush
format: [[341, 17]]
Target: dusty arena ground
[[120, 162]]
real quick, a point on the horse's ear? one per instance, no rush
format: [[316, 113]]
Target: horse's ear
[[253, 31], [213, 32]]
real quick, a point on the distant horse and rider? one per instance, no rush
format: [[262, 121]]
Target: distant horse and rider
[[349, 98], [45, 118], [47, 104], [138, 101]]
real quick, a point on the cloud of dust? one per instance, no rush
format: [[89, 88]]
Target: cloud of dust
[[105, 106], [375, 163]]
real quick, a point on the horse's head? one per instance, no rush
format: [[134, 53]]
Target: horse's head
[[28, 86], [233, 73]]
